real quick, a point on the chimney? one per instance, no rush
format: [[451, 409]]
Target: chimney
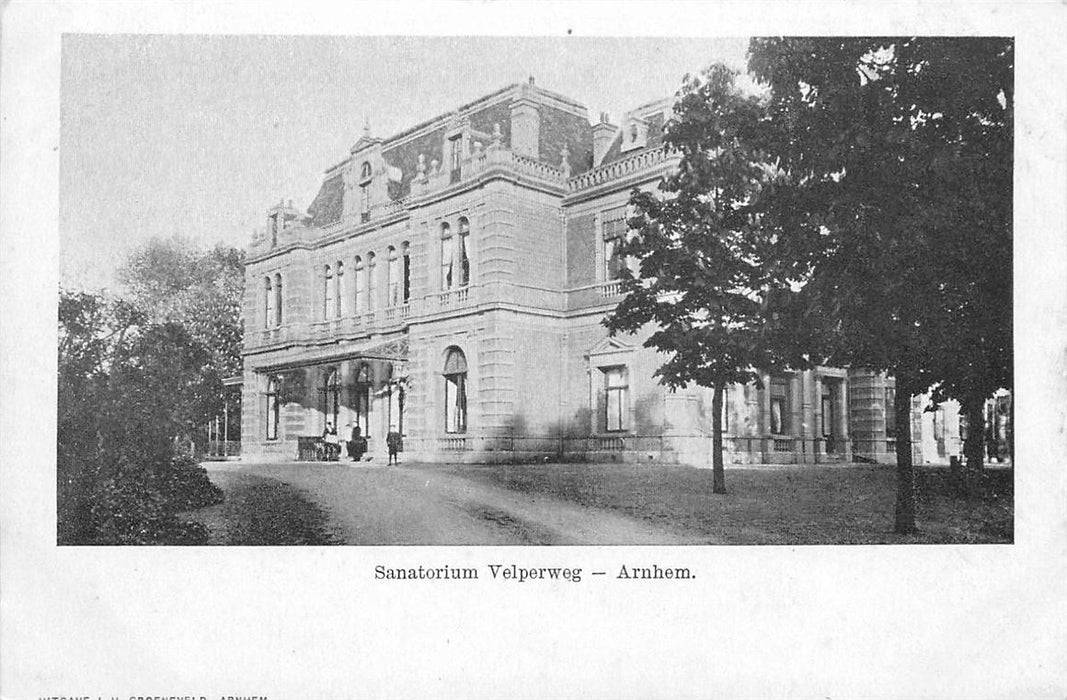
[[525, 128], [603, 135]]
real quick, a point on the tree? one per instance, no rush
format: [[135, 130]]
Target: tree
[[874, 136], [173, 280], [127, 387], [706, 265]]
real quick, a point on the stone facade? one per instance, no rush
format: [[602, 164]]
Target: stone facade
[[449, 283]]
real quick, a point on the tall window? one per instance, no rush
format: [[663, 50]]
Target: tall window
[[372, 283], [329, 294], [455, 391], [463, 252], [393, 281], [364, 192], [614, 227], [455, 155], [273, 409], [615, 403], [268, 303], [360, 283], [362, 399], [331, 398], [278, 299], [890, 412], [446, 257], [779, 406], [406, 258], [342, 305]]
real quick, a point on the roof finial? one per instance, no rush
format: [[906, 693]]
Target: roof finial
[[531, 80], [366, 126]]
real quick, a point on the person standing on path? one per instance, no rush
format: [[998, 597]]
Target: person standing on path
[[357, 445], [393, 443]]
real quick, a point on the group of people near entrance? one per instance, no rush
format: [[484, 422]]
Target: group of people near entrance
[[357, 444]]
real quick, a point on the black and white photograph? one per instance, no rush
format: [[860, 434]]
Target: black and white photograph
[[386, 323]]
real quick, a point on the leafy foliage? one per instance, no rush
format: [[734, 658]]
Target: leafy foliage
[[896, 154], [127, 389], [707, 269], [173, 280]]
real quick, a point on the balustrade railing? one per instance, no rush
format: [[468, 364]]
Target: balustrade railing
[[611, 289], [454, 443], [454, 297], [619, 168]]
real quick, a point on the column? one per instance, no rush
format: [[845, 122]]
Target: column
[[841, 399], [796, 417]]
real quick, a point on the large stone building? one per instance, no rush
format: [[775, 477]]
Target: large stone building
[[449, 282]]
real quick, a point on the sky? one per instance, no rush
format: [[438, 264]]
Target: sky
[[198, 135]]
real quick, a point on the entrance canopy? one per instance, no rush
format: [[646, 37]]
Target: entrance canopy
[[390, 351]]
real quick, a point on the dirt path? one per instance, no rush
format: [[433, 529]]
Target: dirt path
[[428, 506]]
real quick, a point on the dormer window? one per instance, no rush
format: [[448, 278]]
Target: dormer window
[[455, 156], [636, 135]]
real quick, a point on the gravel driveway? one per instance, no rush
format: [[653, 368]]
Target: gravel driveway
[[426, 505]]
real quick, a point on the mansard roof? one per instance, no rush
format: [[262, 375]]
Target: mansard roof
[[563, 121]]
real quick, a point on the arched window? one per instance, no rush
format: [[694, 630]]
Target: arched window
[[331, 398], [406, 272], [278, 299], [446, 257], [273, 408], [360, 283], [362, 398], [329, 294], [364, 191], [455, 391], [463, 252], [268, 303], [372, 283], [392, 279], [342, 300]]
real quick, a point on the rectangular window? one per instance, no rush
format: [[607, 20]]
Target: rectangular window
[[615, 402], [890, 412], [614, 234]]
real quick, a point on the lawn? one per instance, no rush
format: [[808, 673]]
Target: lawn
[[782, 505], [261, 511]]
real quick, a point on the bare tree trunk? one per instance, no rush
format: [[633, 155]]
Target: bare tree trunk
[[718, 476], [974, 445], [905, 510]]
